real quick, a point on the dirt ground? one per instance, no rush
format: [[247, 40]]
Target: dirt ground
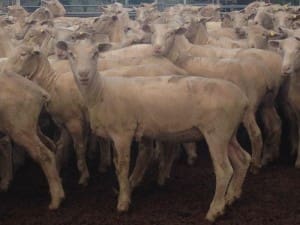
[[270, 198]]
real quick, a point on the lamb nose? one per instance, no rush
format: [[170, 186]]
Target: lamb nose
[[83, 74], [287, 69]]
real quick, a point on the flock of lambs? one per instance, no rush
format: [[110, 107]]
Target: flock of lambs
[[165, 79]]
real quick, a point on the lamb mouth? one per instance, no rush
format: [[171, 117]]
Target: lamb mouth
[[287, 73], [84, 81], [61, 56]]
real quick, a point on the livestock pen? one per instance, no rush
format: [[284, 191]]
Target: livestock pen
[[270, 197]]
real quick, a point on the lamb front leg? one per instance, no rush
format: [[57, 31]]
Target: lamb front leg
[[145, 156], [168, 153], [122, 163], [191, 152], [6, 163], [105, 155], [297, 163]]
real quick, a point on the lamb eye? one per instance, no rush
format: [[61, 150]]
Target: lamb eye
[[95, 54], [72, 55]]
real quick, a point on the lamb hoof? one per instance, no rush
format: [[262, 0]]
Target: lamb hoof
[[53, 206], [211, 217], [4, 187], [230, 201], [297, 164], [267, 160], [254, 169], [115, 191], [161, 181], [123, 207], [55, 203], [83, 181], [294, 152], [231, 198], [102, 169], [191, 161]]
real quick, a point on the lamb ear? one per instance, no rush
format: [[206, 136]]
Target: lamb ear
[[44, 2], [146, 28], [251, 16], [62, 45], [226, 16], [101, 9], [241, 32], [48, 23], [30, 21], [48, 13], [274, 43], [204, 19], [103, 47], [114, 18], [82, 35], [8, 21], [96, 19], [209, 18], [36, 50], [296, 17], [180, 30], [297, 38], [285, 32]]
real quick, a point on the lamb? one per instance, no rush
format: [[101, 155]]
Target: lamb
[[208, 107], [259, 84], [19, 121], [66, 107]]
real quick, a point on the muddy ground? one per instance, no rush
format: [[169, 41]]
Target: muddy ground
[[270, 198]]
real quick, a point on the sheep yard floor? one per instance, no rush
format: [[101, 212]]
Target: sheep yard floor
[[270, 198]]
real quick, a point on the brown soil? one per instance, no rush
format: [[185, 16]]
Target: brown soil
[[270, 198]]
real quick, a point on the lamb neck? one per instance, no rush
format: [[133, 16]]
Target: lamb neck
[[93, 92], [44, 75]]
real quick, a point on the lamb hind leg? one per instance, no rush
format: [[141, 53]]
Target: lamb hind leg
[[76, 130], [46, 159], [47, 141], [240, 161], [62, 148], [293, 128], [293, 138], [255, 139], [272, 124], [218, 149], [297, 163], [92, 146]]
